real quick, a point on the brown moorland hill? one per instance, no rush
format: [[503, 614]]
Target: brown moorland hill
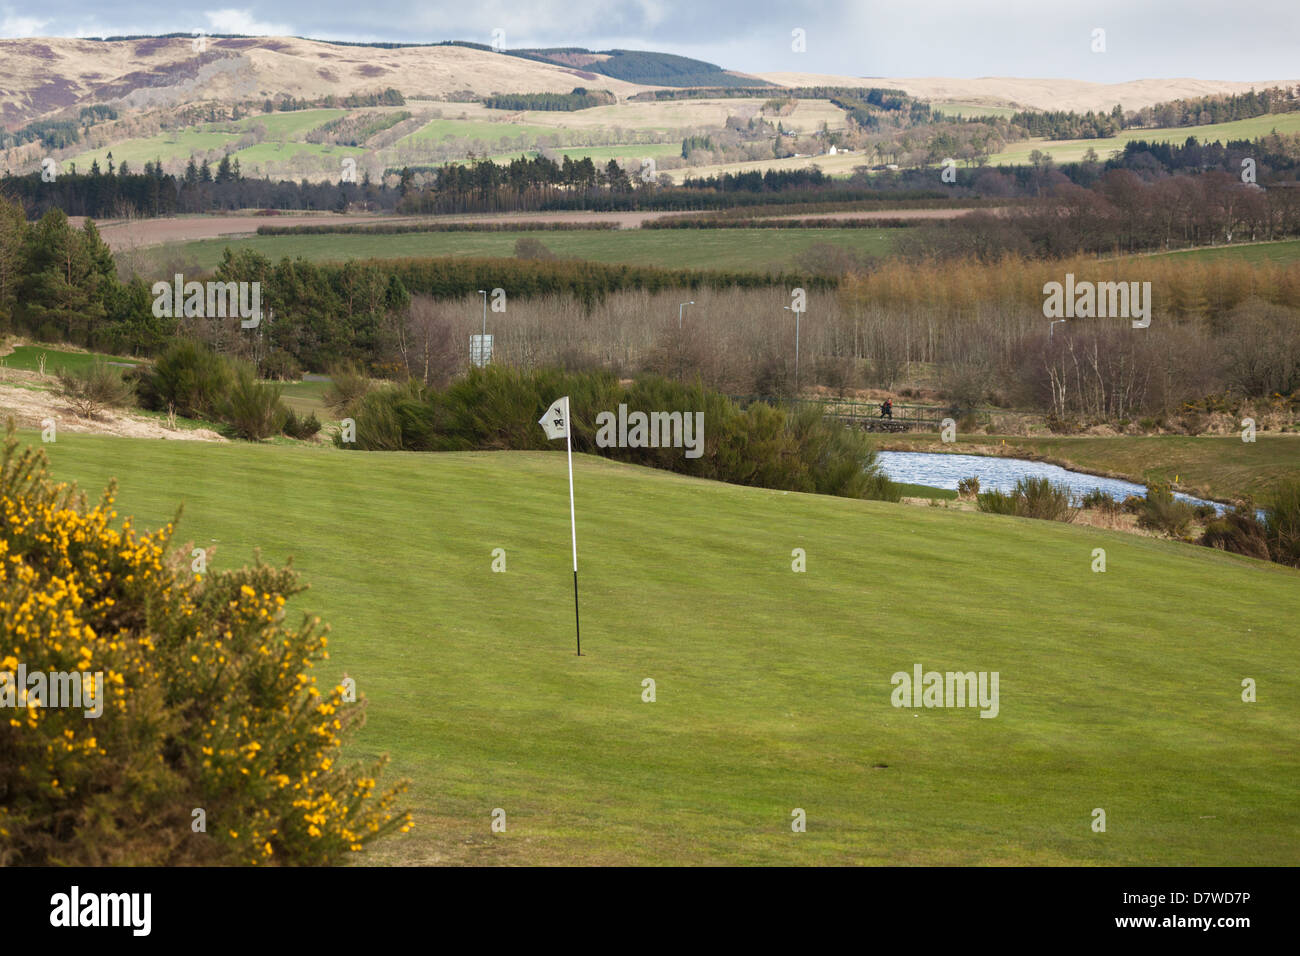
[[40, 77]]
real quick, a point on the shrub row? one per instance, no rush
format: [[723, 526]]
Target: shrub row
[[451, 277], [195, 382], [710, 222], [1031, 498], [1275, 538], [399, 228], [498, 407]]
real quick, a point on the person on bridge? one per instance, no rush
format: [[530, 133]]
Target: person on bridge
[[887, 409]]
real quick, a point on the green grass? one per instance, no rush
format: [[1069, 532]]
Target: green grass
[[289, 125], [305, 397], [1282, 251], [927, 491], [27, 358], [490, 133], [746, 249], [264, 153], [1217, 467], [179, 145], [1118, 690]]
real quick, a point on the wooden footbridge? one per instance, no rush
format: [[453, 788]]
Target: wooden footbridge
[[868, 415]]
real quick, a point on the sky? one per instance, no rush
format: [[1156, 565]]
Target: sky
[[1207, 39]]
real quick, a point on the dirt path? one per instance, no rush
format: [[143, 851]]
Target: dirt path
[[31, 408]]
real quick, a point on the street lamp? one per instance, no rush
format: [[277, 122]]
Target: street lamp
[[796, 347], [679, 312], [1052, 327]]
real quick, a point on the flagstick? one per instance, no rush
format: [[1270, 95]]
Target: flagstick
[[573, 522]]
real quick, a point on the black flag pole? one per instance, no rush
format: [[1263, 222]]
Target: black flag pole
[[573, 521], [576, 626]]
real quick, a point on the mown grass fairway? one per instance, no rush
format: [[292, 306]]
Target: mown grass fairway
[[28, 359], [742, 249], [1118, 690]]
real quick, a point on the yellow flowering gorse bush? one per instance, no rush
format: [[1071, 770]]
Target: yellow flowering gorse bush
[[208, 700]]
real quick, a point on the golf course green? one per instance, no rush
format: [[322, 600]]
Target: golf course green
[[1119, 691]]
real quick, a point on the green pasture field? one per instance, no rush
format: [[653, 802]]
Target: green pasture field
[[1281, 251], [1072, 150], [744, 249], [491, 133]]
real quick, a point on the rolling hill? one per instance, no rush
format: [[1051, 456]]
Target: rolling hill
[[44, 76]]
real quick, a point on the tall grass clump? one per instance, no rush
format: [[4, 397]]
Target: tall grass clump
[[1282, 523], [1161, 511], [1031, 498], [253, 409]]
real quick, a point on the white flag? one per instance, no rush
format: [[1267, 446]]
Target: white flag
[[556, 419]]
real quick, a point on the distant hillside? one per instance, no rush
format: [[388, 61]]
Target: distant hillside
[[56, 76], [1037, 94], [642, 66]]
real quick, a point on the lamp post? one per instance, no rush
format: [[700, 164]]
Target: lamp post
[[679, 313], [796, 347], [1052, 327], [482, 342]]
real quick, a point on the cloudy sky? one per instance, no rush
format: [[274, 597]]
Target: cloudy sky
[[1209, 39]]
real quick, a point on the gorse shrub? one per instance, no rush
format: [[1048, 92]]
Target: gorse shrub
[[301, 426], [1161, 511], [1238, 531], [253, 409], [188, 377], [1042, 499], [1275, 538], [497, 408], [1031, 498], [1282, 523], [94, 387], [997, 502], [205, 694], [348, 384], [1098, 500]]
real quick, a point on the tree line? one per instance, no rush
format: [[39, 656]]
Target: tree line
[[1195, 111], [579, 99]]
